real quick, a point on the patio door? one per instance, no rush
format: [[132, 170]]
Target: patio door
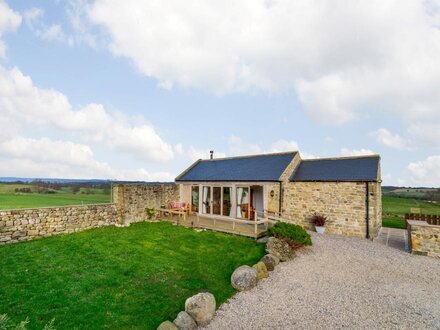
[[206, 200], [243, 202], [216, 200]]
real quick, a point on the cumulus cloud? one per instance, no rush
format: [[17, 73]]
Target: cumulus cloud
[[426, 172], [44, 157], [346, 152], [9, 22], [340, 57], [395, 141], [22, 101]]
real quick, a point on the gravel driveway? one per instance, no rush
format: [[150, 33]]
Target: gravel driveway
[[341, 282]]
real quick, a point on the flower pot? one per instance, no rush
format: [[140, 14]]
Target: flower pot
[[320, 230]]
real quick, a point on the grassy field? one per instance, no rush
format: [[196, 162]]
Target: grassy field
[[9, 199], [394, 209], [118, 278]]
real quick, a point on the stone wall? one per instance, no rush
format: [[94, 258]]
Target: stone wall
[[342, 202], [424, 238], [27, 224], [132, 199]]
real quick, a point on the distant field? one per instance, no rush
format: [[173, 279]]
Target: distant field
[[9, 199], [394, 209]]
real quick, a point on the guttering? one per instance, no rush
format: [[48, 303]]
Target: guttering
[[367, 211]]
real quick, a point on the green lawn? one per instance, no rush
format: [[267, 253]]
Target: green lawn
[[394, 209], [118, 278]]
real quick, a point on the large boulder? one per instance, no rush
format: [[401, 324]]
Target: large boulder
[[184, 321], [261, 269], [244, 278], [280, 249], [167, 325], [270, 261], [201, 307]]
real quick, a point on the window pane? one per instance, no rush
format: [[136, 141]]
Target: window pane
[[206, 200], [227, 205], [216, 200], [243, 202], [195, 199]]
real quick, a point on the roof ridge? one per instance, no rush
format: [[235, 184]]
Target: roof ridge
[[341, 158], [250, 156]]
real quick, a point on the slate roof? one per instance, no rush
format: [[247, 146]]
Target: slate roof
[[338, 169], [267, 167]]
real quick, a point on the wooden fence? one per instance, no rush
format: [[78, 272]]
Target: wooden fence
[[432, 219]]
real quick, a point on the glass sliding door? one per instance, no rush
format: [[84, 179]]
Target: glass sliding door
[[227, 203], [195, 199], [206, 200], [216, 200], [243, 202]]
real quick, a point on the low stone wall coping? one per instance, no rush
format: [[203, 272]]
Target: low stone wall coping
[[421, 223], [54, 207]]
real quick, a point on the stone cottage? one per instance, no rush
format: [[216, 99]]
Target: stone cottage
[[345, 189]]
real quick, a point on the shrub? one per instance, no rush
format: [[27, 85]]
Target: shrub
[[319, 220], [150, 212], [294, 235]]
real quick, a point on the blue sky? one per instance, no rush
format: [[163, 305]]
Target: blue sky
[[138, 90]]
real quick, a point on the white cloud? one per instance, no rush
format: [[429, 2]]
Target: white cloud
[[21, 101], [426, 172], [9, 22], [33, 15], [385, 137], [44, 157], [340, 57], [356, 152], [284, 145], [236, 147]]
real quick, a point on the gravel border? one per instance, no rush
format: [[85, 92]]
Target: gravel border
[[341, 282]]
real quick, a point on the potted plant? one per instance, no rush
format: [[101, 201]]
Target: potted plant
[[319, 221]]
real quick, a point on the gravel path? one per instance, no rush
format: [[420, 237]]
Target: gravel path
[[341, 283]]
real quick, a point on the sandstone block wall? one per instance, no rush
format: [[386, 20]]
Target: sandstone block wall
[[132, 199], [424, 238], [342, 202], [27, 224]]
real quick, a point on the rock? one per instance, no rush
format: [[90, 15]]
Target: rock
[[261, 269], [270, 261], [201, 307], [184, 321], [167, 325], [244, 278], [280, 249]]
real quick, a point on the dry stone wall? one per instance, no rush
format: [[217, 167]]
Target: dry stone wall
[[133, 199], [129, 203], [424, 238], [28, 224], [342, 202]]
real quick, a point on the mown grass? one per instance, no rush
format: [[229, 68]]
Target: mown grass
[[118, 278], [394, 209]]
